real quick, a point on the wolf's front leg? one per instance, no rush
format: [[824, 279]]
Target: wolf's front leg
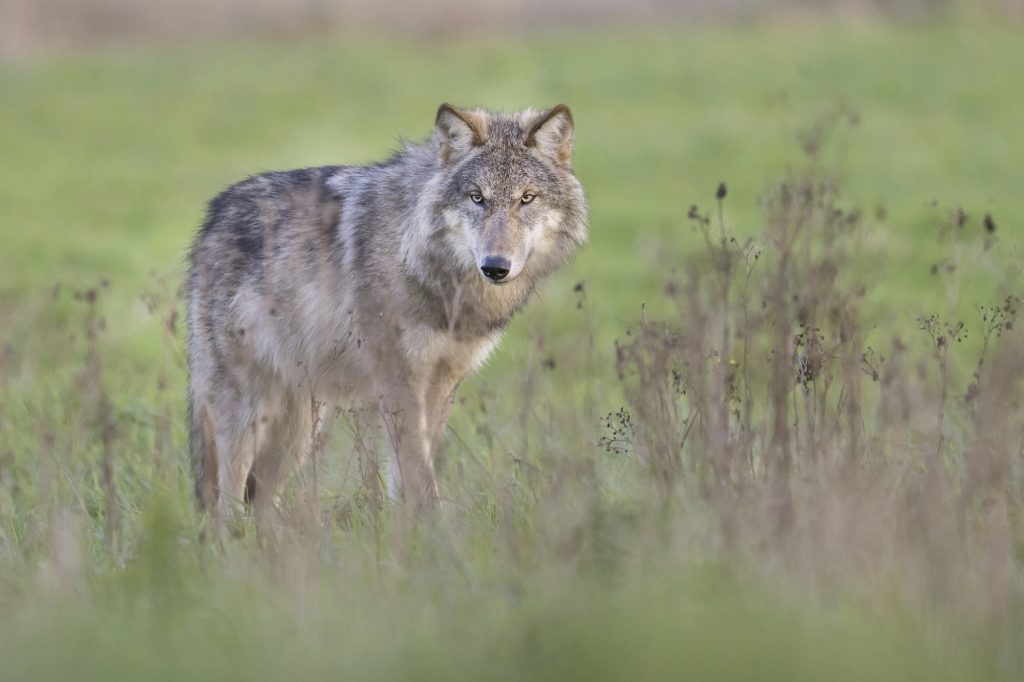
[[406, 427]]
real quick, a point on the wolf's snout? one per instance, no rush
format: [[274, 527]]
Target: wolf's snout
[[496, 268]]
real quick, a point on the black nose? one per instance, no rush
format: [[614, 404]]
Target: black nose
[[495, 268]]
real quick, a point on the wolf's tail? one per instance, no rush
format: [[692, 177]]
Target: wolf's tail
[[204, 456]]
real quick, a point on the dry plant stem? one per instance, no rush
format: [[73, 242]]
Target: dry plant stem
[[163, 303], [527, 396], [722, 492], [780, 463], [102, 418], [593, 361], [721, 438], [748, 431]]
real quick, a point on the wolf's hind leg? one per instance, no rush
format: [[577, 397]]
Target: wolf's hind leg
[[287, 445], [230, 437], [203, 443], [223, 446], [233, 467]]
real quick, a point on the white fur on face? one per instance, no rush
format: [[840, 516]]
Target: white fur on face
[[460, 237]]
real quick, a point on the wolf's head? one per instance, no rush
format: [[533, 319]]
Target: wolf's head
[[509, 199]]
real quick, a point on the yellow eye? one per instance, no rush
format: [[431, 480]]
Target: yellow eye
[[527, 198], [476, 197]]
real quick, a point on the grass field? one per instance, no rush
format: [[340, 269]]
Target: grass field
[[558, 555]]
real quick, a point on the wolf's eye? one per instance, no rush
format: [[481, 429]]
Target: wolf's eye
[[527, 198], [476, 197]]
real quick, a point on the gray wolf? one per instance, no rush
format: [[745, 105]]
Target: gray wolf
[[380, 286]]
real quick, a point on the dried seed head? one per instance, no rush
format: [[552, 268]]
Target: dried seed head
[[721, 191], [990, 225]]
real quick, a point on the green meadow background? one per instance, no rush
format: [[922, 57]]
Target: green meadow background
[[107, 157]]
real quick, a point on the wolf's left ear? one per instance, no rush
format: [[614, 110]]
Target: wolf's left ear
[[551, 133], [458, 131]]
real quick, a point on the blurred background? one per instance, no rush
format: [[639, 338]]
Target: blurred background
[[135, 113], [869, 158], [31, 26]]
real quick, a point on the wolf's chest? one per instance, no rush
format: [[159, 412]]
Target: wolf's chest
[[424, 346]]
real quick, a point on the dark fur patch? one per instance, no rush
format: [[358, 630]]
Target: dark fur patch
[[250, 489]]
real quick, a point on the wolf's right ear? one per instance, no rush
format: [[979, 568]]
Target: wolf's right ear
[[551, 132], [458, 131]]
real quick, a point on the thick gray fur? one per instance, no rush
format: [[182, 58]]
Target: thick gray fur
[[364, 285]]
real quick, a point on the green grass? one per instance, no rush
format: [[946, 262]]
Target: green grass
[[689, 627], [106, 161]]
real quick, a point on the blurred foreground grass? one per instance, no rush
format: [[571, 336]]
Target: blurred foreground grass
[[552, 559], [694, 624]]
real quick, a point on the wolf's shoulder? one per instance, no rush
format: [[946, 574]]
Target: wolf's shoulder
[[271, 184], [246, 198]]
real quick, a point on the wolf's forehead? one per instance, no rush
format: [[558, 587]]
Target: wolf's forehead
[[505, 130], [503, 159], [508, 167]]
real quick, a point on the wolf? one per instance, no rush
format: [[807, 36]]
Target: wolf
[[379, 286]]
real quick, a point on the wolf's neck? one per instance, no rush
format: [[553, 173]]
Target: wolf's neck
[[455, 297]]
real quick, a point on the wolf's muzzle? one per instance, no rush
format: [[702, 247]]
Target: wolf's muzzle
[[495, 268]]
